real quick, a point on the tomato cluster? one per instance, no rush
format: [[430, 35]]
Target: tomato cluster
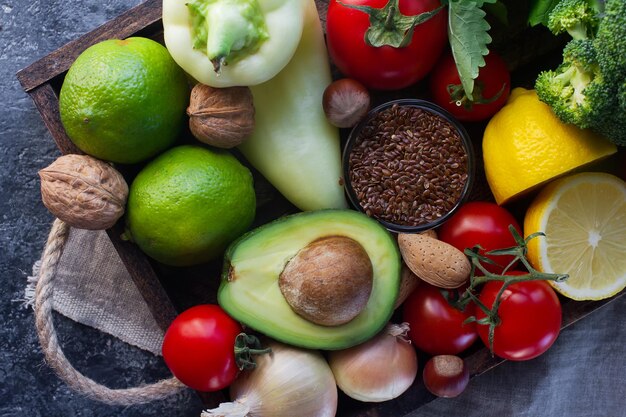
[[527, 316]]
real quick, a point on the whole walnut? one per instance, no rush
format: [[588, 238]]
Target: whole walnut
[[221, 117], [84, 192]]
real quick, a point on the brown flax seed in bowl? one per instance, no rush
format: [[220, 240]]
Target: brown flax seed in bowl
[[408, 166]]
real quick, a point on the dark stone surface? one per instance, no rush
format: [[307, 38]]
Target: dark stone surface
[[30, 30]]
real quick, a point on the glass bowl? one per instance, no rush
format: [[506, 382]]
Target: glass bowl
[[409, 164]]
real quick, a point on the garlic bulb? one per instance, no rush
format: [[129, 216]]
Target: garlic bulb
[[285, 383], [378, 370]]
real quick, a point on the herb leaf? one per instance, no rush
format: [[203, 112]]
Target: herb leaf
[[467, 31], [540, 10]]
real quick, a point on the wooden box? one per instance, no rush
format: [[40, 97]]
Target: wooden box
[[163, 288]]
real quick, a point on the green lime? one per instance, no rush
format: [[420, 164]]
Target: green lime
[[189, 203], [124, 100]]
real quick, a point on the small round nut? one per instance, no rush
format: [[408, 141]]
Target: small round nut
[[84, 192], [221, 117], [346, 102], [446, 376]]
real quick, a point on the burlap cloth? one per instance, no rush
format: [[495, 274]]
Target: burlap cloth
[[93, 287]]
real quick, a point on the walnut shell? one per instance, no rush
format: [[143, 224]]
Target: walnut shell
[[84, 192], [221, 117]]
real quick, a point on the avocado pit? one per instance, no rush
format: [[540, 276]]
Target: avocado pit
[[329, 281]]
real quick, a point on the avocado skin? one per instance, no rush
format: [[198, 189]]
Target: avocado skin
[[249, 289]]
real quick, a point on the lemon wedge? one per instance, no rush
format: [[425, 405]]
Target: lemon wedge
[[525, 146], [584, 219]]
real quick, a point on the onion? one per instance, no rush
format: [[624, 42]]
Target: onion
[[378, 370], [285, 383]]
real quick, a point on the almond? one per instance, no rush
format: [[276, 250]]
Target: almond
[[434, 261]]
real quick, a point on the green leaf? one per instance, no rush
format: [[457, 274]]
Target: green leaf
[[469, 37], [540, 10]]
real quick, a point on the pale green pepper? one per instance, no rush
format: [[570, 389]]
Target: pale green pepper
[[293, 144], [225, 43]]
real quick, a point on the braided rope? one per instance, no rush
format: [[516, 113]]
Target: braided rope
[[53, 352]]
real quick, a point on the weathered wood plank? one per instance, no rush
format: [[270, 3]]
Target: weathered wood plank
[[59, 61], [47, 102]]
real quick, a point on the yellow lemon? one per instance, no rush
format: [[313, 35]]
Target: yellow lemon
[[526, 145], [584, 219]]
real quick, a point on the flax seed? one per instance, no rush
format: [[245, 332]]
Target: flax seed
[[417, 156]]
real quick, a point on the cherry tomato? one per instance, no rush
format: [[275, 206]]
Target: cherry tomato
[[435, 326], [384, 67], [491, 88], [481, 223], [199, 348], [530, 318]]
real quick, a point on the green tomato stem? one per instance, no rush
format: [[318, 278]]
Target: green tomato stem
[[247, 346], [388, 26], [476, 259]]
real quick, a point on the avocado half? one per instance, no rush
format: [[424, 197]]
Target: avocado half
[[249, 289]]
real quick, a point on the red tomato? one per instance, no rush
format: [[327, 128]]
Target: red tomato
[[384, 67], [481, 223], [530, 318], [435, 326], [493, 79], [199, 348]]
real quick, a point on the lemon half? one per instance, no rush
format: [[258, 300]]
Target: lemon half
[[584, 219], [525, 146]]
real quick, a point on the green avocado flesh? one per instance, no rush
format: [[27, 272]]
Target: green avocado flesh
[[249, 289]]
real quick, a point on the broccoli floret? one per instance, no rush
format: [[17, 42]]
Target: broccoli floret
[[610, 47], [610, 43], [612, 123], [579, 18], [576, 90], [589, 88]]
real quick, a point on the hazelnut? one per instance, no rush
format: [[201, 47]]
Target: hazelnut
[[446, 376], [329, 281], [221, 117], [84, 192], [346, 102]]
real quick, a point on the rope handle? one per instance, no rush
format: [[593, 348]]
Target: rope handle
[[54, 353]]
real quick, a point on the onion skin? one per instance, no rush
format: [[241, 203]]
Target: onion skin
[[446, 376], [286, 382], [378, 370]]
